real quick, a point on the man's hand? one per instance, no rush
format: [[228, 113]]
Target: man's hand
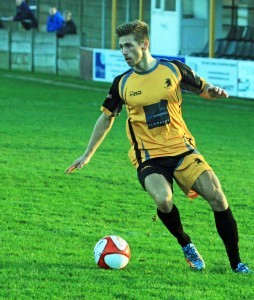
[[101, 128], [78, 164], [216, 92], [212, 92]]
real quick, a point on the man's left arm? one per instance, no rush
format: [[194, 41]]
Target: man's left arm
[[195, 84]]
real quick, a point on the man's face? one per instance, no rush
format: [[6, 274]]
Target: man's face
[[52, 11], [131, 50], [18, 2], [67, 17]]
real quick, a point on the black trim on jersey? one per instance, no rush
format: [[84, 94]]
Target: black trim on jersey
[[114, 102], [190, 81], [137, 151]]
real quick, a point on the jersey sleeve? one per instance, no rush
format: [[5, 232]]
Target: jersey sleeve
[[113, 103], [190, 81]]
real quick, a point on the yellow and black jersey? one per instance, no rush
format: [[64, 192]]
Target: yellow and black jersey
[[153, 99]]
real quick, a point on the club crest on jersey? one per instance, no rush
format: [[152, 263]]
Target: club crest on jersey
[[135, 93], [168, 83]]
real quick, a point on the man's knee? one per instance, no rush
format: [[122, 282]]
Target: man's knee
[[164, 200]]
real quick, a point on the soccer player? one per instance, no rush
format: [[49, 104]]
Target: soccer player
[[162, 147]]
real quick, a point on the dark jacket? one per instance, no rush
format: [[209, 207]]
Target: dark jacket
[[25, 16], [69, 27]]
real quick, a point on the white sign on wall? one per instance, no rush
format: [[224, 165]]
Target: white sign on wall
[[219, 72], [246, 79], [107, 64]]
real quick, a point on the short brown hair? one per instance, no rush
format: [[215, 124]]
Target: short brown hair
[[139, 28]]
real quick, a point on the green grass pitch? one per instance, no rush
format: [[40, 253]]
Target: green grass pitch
[[50, 221]]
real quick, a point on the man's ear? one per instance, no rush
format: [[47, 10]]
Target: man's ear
[[145, 45]]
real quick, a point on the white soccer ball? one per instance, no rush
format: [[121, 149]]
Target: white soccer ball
[[112, 252]]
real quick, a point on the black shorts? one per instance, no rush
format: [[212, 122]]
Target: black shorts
[[160, 165]]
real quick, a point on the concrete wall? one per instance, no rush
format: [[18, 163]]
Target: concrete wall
[[86, 63], [21, 50], [68, 55], [86, 14], [40, 52], [4, 49], [45, 53]]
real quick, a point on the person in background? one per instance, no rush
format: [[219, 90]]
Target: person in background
[[55, 20], [25, 15], [69, 27]]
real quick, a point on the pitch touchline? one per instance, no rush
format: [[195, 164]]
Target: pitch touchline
[[60, 83]]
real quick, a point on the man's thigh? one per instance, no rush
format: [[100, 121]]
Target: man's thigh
[[160, 190], [157, 186], [162, 166], [208, 186], [188, 171]]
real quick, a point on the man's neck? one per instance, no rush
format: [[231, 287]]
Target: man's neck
[[146, 64]]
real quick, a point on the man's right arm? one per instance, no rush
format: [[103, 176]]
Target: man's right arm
[[101, 129]]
